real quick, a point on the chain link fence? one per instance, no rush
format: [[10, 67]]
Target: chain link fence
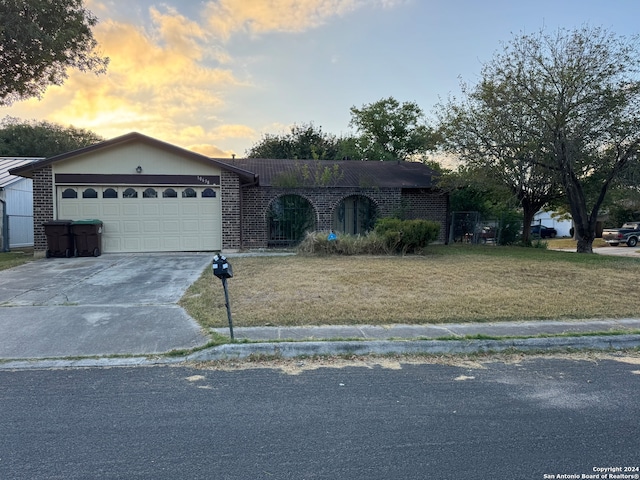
[[472, 228]]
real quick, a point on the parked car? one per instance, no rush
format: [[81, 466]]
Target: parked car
[[629, 234], [488, 235], [540, 231]]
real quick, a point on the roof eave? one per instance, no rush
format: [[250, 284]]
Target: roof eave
[[27, 170]]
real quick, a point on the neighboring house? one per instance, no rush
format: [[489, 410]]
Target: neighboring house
[[152, 196], [16, 205], [563, 227]]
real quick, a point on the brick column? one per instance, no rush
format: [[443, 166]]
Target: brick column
[[230, 193], [42, 207]]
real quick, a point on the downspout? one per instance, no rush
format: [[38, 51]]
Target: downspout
[[5, 227]]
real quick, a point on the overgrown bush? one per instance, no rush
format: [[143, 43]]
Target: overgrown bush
[[390, 235], [619, 215], [407, 236], [509, 229], [319, 243]]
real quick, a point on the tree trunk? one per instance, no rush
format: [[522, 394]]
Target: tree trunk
[[583, 221], [585, 229], [530, 206], [528, 214], [584, 245]]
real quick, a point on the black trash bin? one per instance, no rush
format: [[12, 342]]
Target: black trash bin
[[59, 238], [88, 237]]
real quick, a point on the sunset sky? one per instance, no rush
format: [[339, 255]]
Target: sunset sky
[[214, 76]]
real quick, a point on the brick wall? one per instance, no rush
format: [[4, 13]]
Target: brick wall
[[426, 205], [244, 210], [389, 201], [42, 207]]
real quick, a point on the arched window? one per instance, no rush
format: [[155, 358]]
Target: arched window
[[150, 193], [89, 193], [110, 193], [208, 193], [188, 193], [69, 193], [290, 217], [354, 215], [169, 193], [130, 193]]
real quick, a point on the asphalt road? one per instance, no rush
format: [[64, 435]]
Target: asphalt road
[[524, 420]]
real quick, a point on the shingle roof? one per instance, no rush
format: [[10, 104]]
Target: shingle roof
[[270, 172], [6, 164], [345, 173]]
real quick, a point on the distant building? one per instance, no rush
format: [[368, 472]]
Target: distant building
[[547, 219], [16, 205]]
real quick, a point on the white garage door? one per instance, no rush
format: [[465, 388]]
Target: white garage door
[[147, 218]]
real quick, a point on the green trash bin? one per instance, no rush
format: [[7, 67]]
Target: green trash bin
[[59, 238], [88, 237]]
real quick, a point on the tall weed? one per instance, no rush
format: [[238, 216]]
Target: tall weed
[[391, 235], [318, 243]]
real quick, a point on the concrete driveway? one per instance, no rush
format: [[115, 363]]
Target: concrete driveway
[[112, 304], [619, 251]]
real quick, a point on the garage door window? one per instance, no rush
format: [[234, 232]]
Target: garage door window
[[169, 193], [150, 193], [130, 193], [69, 193], [208, 193], [89, 193], [188, 193], [110, 193]]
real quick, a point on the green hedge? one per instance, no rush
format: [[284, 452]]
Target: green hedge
[[407, 236]]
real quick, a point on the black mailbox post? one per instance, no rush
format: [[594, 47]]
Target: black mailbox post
[[222, 269]]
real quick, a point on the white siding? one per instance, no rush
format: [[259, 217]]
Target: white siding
[[19, 198], [547, 219]]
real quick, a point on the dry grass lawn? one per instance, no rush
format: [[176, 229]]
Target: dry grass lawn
[[447, 284]]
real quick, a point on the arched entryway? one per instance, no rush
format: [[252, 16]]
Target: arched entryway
[[354, 215], [289, 217]]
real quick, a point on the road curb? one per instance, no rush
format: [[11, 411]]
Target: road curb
[[408, 347], [236, 351]]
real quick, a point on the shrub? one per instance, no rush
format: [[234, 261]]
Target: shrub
[[406, 236], [391, 235], [509, 229]]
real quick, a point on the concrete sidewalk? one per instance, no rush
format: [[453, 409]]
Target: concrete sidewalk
[[292, 342], [453, 330]]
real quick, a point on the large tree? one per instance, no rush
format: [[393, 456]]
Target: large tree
[[41, 139], [39, 41], [482, 133], [390, 130], [577, 93], [304, 142]]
